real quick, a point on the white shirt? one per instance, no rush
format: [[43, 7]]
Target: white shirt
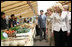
[[49, 18], [69, 18], [60, 22], [42, 16]]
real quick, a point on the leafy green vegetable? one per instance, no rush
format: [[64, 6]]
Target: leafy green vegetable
[[23, 30]]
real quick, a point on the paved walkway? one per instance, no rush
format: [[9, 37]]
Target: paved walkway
[[42, 43]]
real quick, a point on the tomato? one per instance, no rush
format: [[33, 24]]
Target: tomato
[[8, 32], [13, 31]]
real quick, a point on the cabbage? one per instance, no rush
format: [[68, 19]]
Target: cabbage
[[21, 43]]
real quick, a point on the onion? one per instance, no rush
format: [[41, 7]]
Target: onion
[[21, 42], [2, 43], [14, 43], [6, 43]]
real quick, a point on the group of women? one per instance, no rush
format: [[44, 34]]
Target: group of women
[[58, 20]]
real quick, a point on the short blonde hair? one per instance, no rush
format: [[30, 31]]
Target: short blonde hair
[[50, 9], [59, 5], [66, 7]]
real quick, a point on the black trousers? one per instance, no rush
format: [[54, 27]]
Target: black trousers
[[60, 38], [37, 30], [42, 31], [69, 39]]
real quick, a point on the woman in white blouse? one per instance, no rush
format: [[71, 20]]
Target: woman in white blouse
[[60, 25], [66, 10]]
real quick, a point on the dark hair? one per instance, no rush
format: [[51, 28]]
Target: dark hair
[[16, 18], [46, 13], [12, 15], [30, 19], [2, 13], [20, 16], [41, 11]]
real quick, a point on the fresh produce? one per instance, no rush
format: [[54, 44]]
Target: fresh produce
[[6, 43], [6, 31], [2, 37], [10, 32], [14, 43], [15, 28], [2, 43], [13, 31], [21, 42], [23, 30]]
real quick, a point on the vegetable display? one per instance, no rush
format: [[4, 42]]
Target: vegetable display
[[10, 32], [23, 30], [2, 37], [20, 29]]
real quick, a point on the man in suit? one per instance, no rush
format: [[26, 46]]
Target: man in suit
[[42, 24]]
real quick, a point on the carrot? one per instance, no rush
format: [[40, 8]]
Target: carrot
[[7, 31]]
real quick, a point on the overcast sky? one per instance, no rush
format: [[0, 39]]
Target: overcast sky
[[43, 5]]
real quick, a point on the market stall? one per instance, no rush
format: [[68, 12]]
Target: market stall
[[17, 42], [25, 32], [21, 33]]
